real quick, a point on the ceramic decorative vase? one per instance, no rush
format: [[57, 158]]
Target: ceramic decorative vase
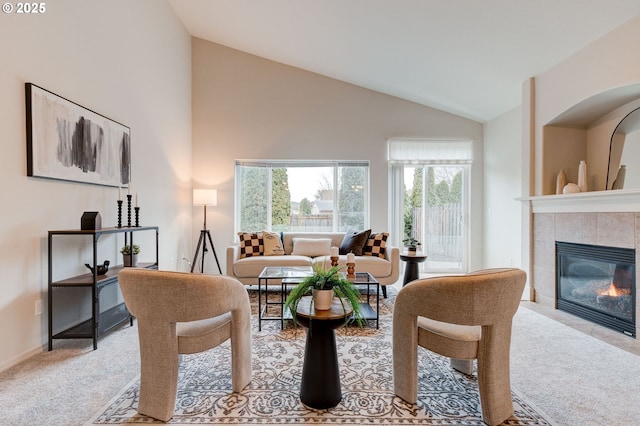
[[582, 176], [322, 299], [571, 188], [561, 181]]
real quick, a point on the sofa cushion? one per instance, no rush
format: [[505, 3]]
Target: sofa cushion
[[376, 244], [287, 238], [251, 244], [354, 241], [311, 246], [272, 244], [251, 267]]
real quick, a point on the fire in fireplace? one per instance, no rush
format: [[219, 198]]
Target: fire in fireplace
[[597, 283]]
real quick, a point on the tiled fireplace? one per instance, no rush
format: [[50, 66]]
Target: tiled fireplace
[[619, 230]]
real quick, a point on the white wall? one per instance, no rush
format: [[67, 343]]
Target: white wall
[[245, 107], [502, 185], [130, 61]]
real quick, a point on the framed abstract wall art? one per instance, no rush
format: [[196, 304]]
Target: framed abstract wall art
[[69, 142]]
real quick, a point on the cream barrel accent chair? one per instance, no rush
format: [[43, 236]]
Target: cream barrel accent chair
[[462, 317], [181, 313]]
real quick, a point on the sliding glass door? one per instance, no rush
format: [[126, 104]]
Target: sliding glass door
[[434, 213], [429, 193]]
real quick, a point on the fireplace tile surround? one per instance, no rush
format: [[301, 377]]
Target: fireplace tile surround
[[616, 229]]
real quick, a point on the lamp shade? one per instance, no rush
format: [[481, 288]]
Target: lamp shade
[[205, 197]]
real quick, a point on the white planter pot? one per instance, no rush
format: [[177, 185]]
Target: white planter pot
[[322, 299]]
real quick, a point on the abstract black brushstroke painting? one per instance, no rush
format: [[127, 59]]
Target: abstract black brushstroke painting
[[69, 142]]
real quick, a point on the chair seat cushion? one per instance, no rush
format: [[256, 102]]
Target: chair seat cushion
[[450, 340], [465, 333], [199, 336]]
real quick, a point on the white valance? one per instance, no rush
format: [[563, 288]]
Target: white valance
[[426, 151]]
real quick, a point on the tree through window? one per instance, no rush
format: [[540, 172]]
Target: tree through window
[[308, 196]]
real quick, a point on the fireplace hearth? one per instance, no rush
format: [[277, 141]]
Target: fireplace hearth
[[597, 283]]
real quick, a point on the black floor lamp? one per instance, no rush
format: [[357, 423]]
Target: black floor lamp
[[205, 197]]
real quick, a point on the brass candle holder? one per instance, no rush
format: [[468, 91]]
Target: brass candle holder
[[334, 261]]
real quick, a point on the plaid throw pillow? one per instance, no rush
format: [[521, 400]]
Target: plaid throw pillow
[[251, 244], [376, 244]]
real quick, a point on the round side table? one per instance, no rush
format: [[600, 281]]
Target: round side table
[[320, 385], [411, 268]]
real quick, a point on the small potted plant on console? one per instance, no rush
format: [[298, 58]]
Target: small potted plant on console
[[130, 255]]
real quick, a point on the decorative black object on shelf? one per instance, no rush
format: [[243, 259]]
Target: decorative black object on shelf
[[119, 213], [102, 269], [129, 210], [137, 209], [90, 221]]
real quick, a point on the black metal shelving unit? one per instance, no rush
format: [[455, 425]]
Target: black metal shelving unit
[[100, 322]]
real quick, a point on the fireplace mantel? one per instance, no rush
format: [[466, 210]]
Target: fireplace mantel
[[625, 200]]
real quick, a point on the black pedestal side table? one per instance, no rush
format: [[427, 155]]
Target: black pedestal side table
[[320, 385], [411, 268]]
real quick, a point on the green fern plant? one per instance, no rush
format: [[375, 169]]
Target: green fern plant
[[327, 279]]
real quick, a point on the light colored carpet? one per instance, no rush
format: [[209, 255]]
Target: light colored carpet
[[576, 378], [571, 376], [445, 396]]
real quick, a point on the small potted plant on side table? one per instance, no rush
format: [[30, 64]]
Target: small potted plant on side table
[[411, 244], [129, 258], [326, 280]]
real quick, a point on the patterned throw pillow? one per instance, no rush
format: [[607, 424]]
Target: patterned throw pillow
[[272, 244], [376, 245], [251, 244]]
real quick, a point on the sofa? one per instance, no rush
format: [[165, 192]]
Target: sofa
[[255, 251]]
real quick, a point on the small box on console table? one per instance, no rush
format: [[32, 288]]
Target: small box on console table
[[90, 221]]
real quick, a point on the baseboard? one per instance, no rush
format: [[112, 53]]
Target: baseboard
[[22, 357]]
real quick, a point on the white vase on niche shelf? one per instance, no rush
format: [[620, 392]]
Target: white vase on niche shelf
[[582, 176]]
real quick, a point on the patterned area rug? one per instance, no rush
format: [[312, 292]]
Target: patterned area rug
[[446, 397]]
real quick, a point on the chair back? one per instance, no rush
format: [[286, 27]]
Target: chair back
[[480, 298], [165, 296]]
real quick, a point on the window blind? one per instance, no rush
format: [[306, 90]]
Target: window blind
[[453, 151]]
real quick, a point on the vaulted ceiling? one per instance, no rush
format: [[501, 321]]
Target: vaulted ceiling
[[468, 57]]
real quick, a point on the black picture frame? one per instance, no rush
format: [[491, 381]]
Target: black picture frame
[[67, 141]]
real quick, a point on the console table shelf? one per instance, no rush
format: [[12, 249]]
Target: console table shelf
[[100, 322]]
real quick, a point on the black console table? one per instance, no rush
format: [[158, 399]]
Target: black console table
[[100, 321]]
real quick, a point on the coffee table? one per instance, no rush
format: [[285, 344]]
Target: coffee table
[[292, 275], [366, 279], [280, 276]]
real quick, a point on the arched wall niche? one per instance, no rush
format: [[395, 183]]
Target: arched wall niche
[[584, 132]]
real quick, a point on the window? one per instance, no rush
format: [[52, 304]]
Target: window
[[429, 192], [312, 196]]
